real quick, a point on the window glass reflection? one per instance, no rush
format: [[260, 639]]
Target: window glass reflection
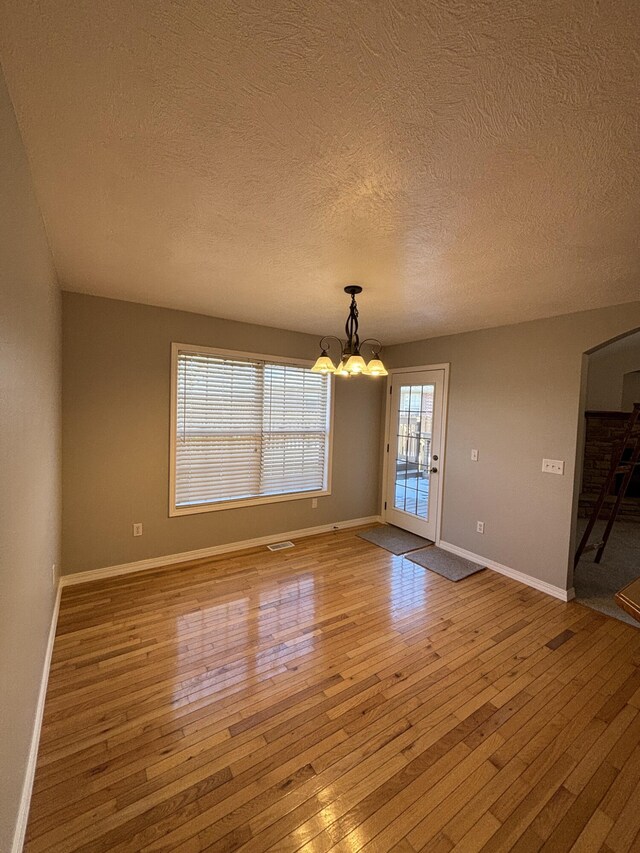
[[413, 453]]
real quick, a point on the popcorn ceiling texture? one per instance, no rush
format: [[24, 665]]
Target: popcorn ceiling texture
[[470, 162]]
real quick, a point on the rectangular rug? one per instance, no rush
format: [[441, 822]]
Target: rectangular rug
[[394, 539], [444, 563]]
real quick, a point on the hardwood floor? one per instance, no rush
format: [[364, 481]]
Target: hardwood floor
[[335, 697]]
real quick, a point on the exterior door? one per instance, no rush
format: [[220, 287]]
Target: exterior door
[[414, 451]]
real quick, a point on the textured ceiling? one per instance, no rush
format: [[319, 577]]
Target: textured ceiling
[[470, 162]]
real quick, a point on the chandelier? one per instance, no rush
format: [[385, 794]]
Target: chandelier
[[351, 361]]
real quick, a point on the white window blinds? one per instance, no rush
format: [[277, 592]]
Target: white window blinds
[[248, 429]]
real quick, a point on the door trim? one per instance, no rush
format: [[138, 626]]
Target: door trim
[[400, 371]]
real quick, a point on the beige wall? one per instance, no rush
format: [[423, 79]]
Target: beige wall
[[515, 395], [29, 460], [116, 385], [607, 369]]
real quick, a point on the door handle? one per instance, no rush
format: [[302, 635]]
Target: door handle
[[434, 470]]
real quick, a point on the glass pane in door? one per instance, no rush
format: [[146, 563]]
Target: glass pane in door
[[413, 458]]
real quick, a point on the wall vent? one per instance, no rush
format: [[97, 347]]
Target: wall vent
[[279, 546]]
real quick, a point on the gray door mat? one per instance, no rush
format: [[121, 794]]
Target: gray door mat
[[444, 563], [394, 539]]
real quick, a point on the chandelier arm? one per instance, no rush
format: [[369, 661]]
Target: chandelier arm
[[376, 350], [333, 338]]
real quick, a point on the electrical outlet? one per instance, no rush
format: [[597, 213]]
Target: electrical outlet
[[474, 455], [314, 503], [553, 466], [137, 529], [480, 526]]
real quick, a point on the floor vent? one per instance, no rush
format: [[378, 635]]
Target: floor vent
[[279, 546]]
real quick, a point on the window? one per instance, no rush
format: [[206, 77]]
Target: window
[[246, 429]]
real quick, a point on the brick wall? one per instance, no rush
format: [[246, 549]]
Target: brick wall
[[603, 429]]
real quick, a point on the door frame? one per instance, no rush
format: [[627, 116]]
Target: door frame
[[401, 371]]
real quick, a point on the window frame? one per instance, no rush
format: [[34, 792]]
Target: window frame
[[194, 509]]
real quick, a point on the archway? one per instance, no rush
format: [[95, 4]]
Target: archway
[[608, 386]]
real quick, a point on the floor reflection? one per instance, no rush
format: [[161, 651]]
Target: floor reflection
[[408, 588], [221, 634], [257, 635]]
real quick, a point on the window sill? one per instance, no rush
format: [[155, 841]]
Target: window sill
[[195, 509]]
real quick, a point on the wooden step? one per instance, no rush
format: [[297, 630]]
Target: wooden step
[[622, 469], [629, 599], [592, 547]]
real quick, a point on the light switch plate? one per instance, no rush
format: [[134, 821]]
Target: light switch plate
[[553, 466]]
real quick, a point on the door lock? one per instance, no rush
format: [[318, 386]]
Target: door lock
[[434, 470]]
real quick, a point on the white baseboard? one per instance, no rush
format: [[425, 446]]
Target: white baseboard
[[27, 787], [543, 586], [187, 556]]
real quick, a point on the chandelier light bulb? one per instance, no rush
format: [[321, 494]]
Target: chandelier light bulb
[[355, 364]]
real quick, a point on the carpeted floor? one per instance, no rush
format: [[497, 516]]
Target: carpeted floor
[[596, 584]]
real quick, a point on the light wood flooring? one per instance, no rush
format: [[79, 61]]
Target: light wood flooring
[[335, 697]]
